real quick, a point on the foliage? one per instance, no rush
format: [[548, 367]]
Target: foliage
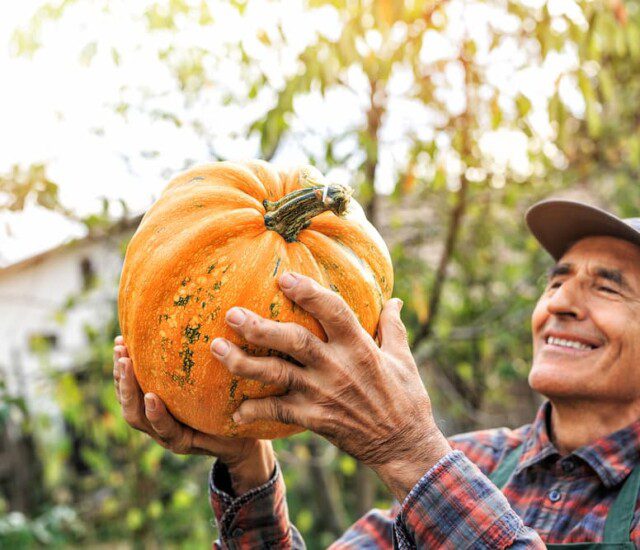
[[58, 525], [467, 271], [22, 187]]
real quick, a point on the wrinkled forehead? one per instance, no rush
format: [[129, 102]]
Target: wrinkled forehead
[[605, 252]]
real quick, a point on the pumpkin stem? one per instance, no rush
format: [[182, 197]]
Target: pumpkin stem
[[293, 212]]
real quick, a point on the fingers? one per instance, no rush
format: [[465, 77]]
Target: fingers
[[289, 338], [281, 409], [119, 351], [172, 434], [131, 399], [329, 308], [270, 370], [391, 330]]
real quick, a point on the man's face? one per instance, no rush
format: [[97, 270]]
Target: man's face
[[586, 324]]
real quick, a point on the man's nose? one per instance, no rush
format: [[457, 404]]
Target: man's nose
[[568, 300]]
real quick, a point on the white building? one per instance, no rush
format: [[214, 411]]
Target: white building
[[35, 295]]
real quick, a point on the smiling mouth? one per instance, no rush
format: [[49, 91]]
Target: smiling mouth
[[568, 344]]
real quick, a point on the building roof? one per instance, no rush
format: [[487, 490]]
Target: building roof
[[127, 224]]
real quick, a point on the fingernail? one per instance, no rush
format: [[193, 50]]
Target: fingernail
[[220, 347], [236, 316], [237, 418], [400, 303], [149, 403], [288, 280]]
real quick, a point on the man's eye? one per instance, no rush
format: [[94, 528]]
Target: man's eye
[[555, 284], [608, 289]]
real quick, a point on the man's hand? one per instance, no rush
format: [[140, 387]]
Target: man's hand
[[250, 461], [367, 400]]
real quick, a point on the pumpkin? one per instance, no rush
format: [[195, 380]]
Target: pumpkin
[[219, 236]]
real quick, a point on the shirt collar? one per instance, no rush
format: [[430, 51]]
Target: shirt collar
[[612, 457], [537, 443]]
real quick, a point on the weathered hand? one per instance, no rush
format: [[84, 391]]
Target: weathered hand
[[250, 461], [367, 400]]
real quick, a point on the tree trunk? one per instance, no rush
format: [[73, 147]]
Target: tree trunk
[[329, 500]]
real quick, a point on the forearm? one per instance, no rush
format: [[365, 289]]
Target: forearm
[[257, 517], [253, 470], [402, 474], [454, 505]]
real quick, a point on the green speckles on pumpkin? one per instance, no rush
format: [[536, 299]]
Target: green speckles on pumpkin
[[192, 333], [225, 269], [274, 310], [275, 271], [187, 360], [328, 265], [334, 288], [217, 285], [163, 317], [214, 314], [181, 380], [206, 338], [185, 281], [211, 267], [182, 300], [204, 304], [164, 345], [232, 389]]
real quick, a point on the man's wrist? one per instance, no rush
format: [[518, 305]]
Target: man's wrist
[[253, 469], [402, 474]]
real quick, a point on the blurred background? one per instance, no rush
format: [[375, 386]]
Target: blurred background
[[449, 119]]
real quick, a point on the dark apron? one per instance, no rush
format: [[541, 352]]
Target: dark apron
[[617, 529]]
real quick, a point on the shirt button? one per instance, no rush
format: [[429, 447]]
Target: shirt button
[[237, 532], [568, 465], [554, 496]]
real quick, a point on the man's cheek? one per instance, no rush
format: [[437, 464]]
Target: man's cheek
[[538, 319]]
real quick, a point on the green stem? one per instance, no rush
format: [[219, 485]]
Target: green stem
[[293, 212]]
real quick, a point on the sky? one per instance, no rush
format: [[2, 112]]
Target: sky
[[60, 109]]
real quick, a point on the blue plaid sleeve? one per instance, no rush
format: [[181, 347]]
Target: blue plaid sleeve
[[455, 505], [257, 519]]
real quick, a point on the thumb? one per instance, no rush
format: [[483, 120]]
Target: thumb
[[391, 330], [166, 428]]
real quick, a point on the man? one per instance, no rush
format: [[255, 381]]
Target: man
[[570, 476]]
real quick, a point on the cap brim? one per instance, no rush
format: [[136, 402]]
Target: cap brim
[[558, 224]]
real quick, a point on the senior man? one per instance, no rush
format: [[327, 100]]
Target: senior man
[[571, 476]]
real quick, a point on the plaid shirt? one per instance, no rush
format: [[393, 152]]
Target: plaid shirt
[[548, 498]]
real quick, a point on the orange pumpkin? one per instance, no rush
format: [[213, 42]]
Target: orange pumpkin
[[219, 236]]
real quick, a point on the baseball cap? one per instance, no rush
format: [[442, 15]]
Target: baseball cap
[[558, 224]]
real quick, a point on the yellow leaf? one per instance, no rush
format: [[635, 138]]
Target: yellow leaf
[[420, 303]]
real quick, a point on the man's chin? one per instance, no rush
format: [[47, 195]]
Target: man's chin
[[553, 383]]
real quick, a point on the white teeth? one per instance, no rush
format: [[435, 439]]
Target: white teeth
[[567, 343]]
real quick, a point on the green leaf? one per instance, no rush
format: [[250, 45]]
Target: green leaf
[[523, 105], [88, 53]]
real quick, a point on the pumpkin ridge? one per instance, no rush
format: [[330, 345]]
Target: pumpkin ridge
[[144, 268], [229, 174], [350, 233], [194, 207], [344, 268]]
